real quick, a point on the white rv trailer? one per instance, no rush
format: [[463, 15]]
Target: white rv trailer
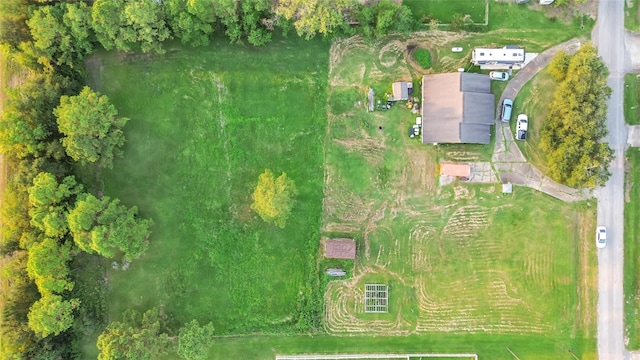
[[508, 55]]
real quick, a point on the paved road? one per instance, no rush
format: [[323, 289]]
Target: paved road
[[609, 37]]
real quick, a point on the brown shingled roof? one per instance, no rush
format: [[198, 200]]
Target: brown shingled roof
[[340, 249]]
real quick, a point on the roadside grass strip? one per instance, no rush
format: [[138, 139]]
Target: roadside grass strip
[[376, 356]]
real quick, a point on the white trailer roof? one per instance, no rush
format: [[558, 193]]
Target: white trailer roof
[[505, 55]]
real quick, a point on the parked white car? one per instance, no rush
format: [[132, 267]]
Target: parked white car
[[522, 126], [499, 75], [601, 237]]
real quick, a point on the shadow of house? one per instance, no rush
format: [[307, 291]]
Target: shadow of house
[[457, 108]]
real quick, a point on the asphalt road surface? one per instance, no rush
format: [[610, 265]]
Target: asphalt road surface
[[609, 37]]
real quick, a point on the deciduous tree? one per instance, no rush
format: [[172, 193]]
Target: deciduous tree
[[130, 25], [28, 125], [192, 21], [274, 198], [47, 265], [49, 203], [13, 26], [135, 337], [61, 33], [559, 65], [52, 315], [194, 340], [314, 17], [91, 126], [108, 228], [575, 125]]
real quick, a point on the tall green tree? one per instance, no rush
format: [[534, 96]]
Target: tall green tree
[[49, 203], [136, 336], [273, 198], [130, 25], [315, 17], [52, 315], [91, 127], [573, 130], [194, 340], [192, 21], [47, 264], [13, 26], [61, 33], [28, 128], [108, 228], [244, 20]]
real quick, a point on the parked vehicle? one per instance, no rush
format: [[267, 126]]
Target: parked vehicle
[[601, 237], [521, 127], [507, 106], [499, 75]]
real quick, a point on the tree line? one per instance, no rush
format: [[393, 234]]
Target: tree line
[[572, 134], [52, 222]]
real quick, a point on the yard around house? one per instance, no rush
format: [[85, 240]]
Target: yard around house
[[466, 272], [460, 259], [532, 100]]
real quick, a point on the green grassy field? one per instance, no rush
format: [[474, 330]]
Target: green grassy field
[[631, 20], [492, 347], [533, 100], [631, 99], [631, 249], [458, 259], [466, 272], [443, 10], [204, 124]]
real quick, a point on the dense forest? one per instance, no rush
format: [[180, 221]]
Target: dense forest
[[55, 228]]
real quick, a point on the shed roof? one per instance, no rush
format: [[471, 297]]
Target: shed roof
[[340, 249], [401, 90], [460, 170]]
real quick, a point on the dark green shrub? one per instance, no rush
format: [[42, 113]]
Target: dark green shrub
[[423, 57]]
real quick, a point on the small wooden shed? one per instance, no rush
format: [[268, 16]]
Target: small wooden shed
[[340, 249], [455, 170]]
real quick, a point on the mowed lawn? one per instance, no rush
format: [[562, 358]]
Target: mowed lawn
[[205, 123], [444, 10], [469, 268]]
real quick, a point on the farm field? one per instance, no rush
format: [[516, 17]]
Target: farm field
[[204, 124], [465, 272], [458, 259]]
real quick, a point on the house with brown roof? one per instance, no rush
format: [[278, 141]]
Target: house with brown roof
[[340, 249], [457, 108]]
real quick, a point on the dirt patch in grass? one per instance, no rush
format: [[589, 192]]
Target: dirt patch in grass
[[347, 56]]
